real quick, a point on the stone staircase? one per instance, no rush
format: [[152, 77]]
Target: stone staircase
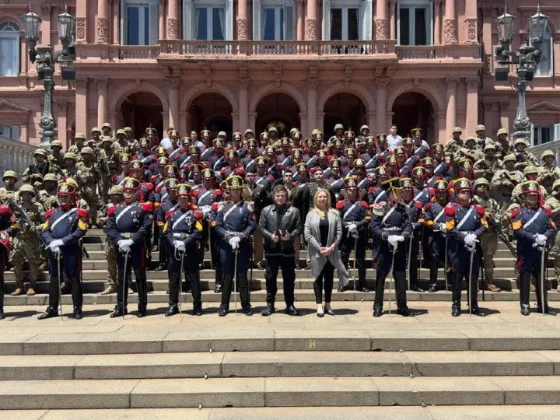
[[95, 275]]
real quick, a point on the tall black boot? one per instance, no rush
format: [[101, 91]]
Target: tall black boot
[[379, 291], [475, 310], [524, 285], [456, 280], [362, 275], [226, 288], [194, 278], [434, 268], [218, 280], [174, 285], [400, 289], [141, 283], [243, 287]]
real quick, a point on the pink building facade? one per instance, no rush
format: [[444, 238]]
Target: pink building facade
[[237, 64]]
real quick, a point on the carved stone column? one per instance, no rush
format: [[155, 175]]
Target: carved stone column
[[61, 115], [102, 24], [162, 33], [172, 86], [312, 85], [437, 22], [311, 24], [243, 85], [381, 104], [172, 21], [81, 104], [116, 21], [451, 106], [450, 23], [101, 101], [242, 22], [504, 115], [472, 105], [381, 24], [300, 21], [392, 20]]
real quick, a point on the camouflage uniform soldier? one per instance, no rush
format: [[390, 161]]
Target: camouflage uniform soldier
[[89, 177], [56, 158], [79, 140], [530, 173], [456, 143], [469, 150], [553, 204], [27, 245], [503, 146], [523, 157], [481, 140], [548, 172], [488, 166], [10, 179], [489, 239], [47, 196], [505, 180]]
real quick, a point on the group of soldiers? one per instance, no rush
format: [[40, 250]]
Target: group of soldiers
[[416, 205]]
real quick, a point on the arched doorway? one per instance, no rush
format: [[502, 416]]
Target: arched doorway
[[346, 109], [412, 109], [141, 110], [279, 110], [211, 111]]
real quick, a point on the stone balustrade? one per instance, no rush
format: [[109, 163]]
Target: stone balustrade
[[14, 155]]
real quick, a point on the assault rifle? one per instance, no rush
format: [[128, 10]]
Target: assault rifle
[[23, 218]]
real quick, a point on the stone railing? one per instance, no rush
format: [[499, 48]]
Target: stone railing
[[14, 155], [234, 48], [423, 52], [135, 52]]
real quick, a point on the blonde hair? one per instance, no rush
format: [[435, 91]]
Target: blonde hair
[[329, 205]]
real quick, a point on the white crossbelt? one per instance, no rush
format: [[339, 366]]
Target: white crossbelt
[[532, 219], [64, 216], [347, 213], [462, 222], [179, 220], [126, 209]]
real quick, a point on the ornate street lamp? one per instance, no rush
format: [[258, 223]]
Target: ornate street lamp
[[46, 59], [526, 59]]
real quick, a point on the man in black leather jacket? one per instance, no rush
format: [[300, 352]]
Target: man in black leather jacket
[[279, 225]]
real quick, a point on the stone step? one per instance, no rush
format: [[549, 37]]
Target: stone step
[[279, 392], [211, 334], [280, 364], [212, 300], [421, 412]]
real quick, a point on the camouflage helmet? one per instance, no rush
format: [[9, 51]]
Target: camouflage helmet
[[519, 142], [106, 139], [40, 152], [511, 157], [222, 134], [115, 190], [56, 143], [106, 125], [86, 151], [470, 138], [10, 174], [128, 130], [502, 131], [457, 130], [530, 169], [50, 177], [489, 146], [548, 153], [338, 127], [94, 130], [27, 188], [480, 127], [70, 155], [481, 181], [82, 135], [120, 131]]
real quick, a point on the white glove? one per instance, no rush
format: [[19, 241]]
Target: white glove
[[234, 242], [442, 227], [57, 243], [205, 210], [56, 250], [125, 244], [540, 239], [470, 240], [394, 240], [352, 227], [179, 246]]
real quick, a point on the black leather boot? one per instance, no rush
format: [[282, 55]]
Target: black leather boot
[[377, 310], [247, 310], [380, 287], [119, 311], [49, 313], [197, 309], [269, 310], [218, 285], [172, 310], [223, 311], [142, 312], [525, 310], [456, 280], [78, 314], [400, 289]]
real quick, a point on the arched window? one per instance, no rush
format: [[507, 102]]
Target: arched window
[[9, 48], [546, 65]]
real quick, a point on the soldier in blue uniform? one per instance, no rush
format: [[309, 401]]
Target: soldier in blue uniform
[[534, 229], [414, 210], [62, 231], [390, 226], [128, 225], [355, 219], [434, 220], [8, 229], [234, 225], [465, 224], [182, 231], [169, 204]]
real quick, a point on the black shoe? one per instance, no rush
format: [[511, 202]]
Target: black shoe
[[197, 310], [269, 310], [142, 312], [364, 290], [66, 288], [290, 310], [218, 288], [525, 310], [303, 266], [415, 288], [547, 311], [247, 310], [329, 311], [433, 288], [172, 310], [403, 311], [49, 313], [223, 310], [118, 312], [78, 314], [2, 316], [377, 310], [455, 310], [477, 312], [161, 267]]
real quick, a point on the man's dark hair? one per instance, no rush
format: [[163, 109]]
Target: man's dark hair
[[279, 188]]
